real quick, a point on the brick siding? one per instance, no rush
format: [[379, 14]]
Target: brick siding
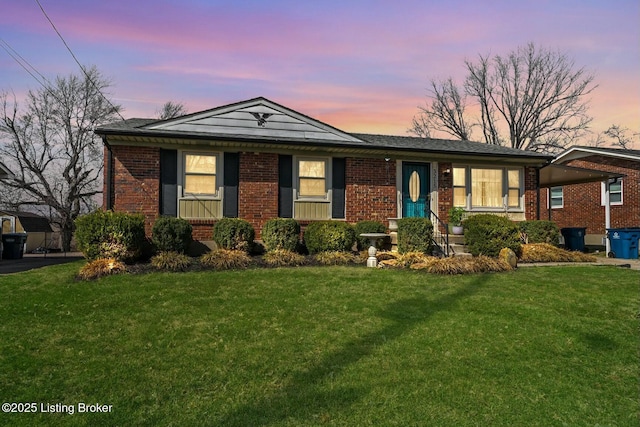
[[370, 190], [582, 202], [136, 181], [258, 188]]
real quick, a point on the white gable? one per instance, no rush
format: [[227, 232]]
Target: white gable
[[258, 118]]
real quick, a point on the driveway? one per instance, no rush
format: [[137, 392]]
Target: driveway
[[31, 261]]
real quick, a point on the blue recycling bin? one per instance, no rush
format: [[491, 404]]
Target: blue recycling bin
[[574, 238], [624, 242]]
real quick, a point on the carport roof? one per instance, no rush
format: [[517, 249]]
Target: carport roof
[[555, 175]]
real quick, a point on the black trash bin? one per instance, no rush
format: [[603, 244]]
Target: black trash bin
[[574, 238], [13, 245]]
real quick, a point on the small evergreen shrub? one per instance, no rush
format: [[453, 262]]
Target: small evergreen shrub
[[172, 234], [171, 261], [281, 233], [101, 267], [415, 235], [487, 234], [226, 259], [323, 236], [107, 234], [283, 258], [335, 258], [368, 227], [234, 234], [540, 232]]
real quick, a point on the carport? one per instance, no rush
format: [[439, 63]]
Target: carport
[[554, 175]]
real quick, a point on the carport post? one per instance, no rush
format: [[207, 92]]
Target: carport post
[[607, 216]]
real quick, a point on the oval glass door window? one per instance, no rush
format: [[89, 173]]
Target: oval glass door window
[[414, 186]]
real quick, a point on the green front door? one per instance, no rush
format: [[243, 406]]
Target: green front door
[[415, 190]]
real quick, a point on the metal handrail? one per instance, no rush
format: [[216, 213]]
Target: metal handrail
[[443, 244]]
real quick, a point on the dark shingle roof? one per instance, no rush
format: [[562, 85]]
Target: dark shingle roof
[[138, 127], [445, 146], [32, 223]]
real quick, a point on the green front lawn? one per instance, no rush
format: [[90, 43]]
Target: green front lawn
[[345, 346]]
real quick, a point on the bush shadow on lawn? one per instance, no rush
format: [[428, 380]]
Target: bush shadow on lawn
[[302, 396]]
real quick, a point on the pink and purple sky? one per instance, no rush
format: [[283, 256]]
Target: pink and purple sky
[[361, 66]]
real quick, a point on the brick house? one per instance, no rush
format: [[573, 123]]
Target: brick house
[[259, 160], [583, 205]]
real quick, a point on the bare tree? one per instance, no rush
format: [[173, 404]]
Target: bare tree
[[50, 147], [445, 113], [620, 137], [170, 110], [533, 95]]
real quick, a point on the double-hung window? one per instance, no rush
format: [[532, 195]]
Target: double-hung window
[[556, 197], [200, 175], [312, 178], [615, 193]]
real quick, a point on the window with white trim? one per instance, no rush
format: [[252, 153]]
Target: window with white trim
[[200, 174], [312, 178], [615, 193], [487, 188], [460, 187], [556, 197]]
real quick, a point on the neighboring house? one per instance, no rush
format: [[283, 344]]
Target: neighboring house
[[37, 228], [259, 160], [583, 205]]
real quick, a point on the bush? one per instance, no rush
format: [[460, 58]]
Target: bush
[[226, 259], [415, 235], [540, 232], [487, 234], [171, 261], [281, 233], [283, 258], [368, 227], [335, 258], [172, 234], [234, 234], [323, 236], [106, 234], [100, 268]]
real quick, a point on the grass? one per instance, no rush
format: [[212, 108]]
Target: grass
[[339, 346]]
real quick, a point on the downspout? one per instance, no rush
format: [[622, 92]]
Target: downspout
[[538, 194], [108, 180]]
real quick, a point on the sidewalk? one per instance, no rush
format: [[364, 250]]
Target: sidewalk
[[633, 264], [31, 261]]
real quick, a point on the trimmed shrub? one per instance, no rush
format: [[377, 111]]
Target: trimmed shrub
[[368, 227], [234, 234], [415, 235], [335, 258], [323, 236], [283, 258], [171, 261], [172, 234], [281, 233], [226, 259], [107, 234], [101, 267], [540, 232], [487, 234]]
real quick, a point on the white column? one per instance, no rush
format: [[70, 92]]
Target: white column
[[607, 216]]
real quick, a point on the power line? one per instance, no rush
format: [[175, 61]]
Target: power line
[[84, 71], [22, 62]]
